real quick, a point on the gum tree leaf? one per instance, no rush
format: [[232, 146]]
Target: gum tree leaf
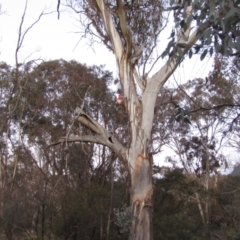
[[203, 55]]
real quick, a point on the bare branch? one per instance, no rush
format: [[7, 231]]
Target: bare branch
[[102, 136], [78, 113], [160, 77], [20, 40], [58, 6], [21, 36], [86, 138], [87, 121], [114, 144]]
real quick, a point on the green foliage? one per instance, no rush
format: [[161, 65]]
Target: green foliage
[[223, 32], [182, 114], [176, 211], [123, 218], [56, 88], [80, 212], [175, 216]]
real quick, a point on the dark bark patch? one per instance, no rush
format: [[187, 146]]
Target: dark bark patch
[[110, 139]]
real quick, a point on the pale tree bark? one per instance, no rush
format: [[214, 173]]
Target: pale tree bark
[[139, 106]]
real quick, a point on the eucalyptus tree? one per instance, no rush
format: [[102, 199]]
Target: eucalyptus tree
[[201, 145], [131, 30]]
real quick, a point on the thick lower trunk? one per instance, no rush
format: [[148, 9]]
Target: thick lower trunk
[[141, 199]]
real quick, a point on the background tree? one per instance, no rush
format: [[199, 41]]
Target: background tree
[[60, 191], [210, 106]]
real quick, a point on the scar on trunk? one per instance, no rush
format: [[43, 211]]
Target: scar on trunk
[[142, 181], [146, 200], [140, 163]]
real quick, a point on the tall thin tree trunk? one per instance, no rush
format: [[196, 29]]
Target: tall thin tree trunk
[[206, 185], [200, 209], [43, 211], [101, 227], [111, 200]]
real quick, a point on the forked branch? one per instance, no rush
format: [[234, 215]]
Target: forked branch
[[100, 135], [160, 77]]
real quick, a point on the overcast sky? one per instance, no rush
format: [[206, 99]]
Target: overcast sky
[[48, 39], [52, 39]]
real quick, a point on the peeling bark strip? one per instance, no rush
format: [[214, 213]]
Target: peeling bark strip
[[141, 182], [141, 222], [141, 199]]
